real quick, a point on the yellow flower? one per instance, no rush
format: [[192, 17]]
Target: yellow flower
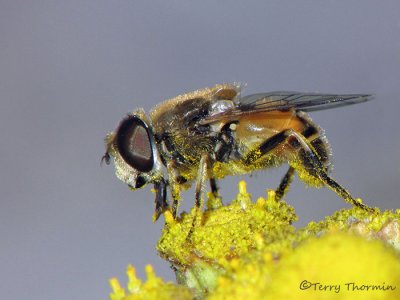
[[152, 289], [338, 266], [250, 250]]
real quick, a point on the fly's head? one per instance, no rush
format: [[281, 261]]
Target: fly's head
[[133, 149]]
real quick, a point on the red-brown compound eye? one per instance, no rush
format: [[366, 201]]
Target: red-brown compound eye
[[135, 144]]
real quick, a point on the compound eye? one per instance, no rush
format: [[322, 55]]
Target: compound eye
[[134, 144]]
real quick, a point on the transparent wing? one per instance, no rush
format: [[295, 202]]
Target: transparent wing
[[298, 101], [281, 101]]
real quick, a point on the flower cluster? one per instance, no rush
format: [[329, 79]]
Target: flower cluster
[[251, 250]]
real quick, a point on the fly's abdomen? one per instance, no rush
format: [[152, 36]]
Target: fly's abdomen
[[316, 136]]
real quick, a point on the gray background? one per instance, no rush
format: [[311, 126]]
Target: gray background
[[70, 70]]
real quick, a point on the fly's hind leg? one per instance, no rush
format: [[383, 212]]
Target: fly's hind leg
[[309, 159], [311, 162]]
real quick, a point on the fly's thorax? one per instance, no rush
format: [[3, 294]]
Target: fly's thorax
[[182, 104], [178, 129]]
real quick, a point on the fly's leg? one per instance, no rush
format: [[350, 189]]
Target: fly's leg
[[201, 178], [265, 148], [285, 183], [214, 199], [312, 163], [214, 187], [174, 188], [160, 201], [176, 197], [309, 160]]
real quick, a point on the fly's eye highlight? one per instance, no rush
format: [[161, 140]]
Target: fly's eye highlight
[[134, 144]]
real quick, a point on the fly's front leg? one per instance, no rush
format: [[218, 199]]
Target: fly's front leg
[[176, 198], [160, 202]]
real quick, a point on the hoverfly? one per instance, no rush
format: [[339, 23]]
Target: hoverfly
[[214, 132]]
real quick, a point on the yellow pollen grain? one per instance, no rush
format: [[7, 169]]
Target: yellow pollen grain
[[271, 195], [242, 187], [260, 202]]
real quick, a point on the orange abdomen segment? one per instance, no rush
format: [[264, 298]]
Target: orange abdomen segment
[[263, 125]]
